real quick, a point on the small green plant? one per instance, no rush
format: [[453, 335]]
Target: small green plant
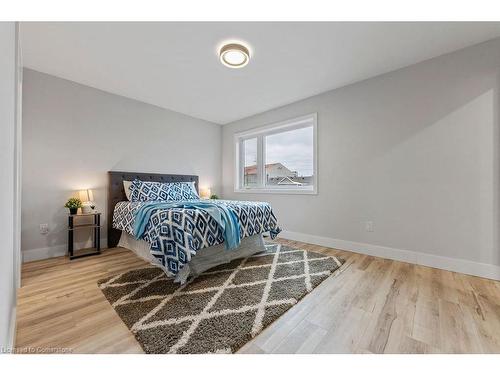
[[73, 203], [214, 196]]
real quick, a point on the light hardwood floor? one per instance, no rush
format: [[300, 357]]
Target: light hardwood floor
[[373, 306]]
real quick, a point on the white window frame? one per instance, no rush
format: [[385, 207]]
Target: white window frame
[[260, 133]]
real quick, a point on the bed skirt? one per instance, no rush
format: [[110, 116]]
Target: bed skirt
[[203, 260]]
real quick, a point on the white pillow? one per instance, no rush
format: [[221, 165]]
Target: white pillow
[[126, 186], [194, 189]]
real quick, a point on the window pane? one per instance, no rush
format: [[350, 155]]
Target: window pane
[[289, 159], [250, 162]]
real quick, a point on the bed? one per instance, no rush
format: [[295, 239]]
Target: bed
[[184, 241]]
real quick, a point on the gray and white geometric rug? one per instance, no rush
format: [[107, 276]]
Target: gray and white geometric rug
[[220, 310]]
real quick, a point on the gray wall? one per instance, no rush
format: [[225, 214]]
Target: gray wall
[[7, 178], [74, 134], [415, 151]]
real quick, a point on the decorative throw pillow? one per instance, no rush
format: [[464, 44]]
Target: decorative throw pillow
[[142, 191]]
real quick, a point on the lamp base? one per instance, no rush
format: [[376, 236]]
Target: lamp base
[[86, 209]]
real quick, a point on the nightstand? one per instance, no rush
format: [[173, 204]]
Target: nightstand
[[95, 226]]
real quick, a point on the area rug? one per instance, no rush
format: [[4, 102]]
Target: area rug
[[220, 310]]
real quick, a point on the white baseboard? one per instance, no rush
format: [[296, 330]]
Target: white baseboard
[[468, 267], [54, 251], [44, 253]]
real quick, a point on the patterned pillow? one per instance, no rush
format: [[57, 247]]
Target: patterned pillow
[[142, 191]]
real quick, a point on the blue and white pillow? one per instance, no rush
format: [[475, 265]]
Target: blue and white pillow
[[142, 191]]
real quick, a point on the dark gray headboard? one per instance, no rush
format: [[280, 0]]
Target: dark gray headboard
[[116, 193]]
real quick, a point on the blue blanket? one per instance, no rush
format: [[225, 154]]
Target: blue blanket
[[223, 215]]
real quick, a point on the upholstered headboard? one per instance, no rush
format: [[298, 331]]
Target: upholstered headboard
[[116, 193]]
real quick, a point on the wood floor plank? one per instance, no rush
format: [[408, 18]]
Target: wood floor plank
[[372, 305]]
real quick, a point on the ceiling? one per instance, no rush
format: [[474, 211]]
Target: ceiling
[[175, 65]]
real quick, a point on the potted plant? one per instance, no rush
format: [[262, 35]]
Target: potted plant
[[73, 204], [214, 196]]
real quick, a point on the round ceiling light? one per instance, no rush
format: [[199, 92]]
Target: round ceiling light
[[234, 55]]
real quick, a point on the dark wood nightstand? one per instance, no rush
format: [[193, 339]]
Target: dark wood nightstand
[[96, 232]]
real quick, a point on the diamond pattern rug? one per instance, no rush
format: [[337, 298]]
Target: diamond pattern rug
[[220, 310]]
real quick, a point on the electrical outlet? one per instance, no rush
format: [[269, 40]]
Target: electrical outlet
[[44, 228], [369, 226]]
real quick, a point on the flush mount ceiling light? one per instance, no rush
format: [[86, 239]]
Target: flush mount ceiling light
[[234, 55]]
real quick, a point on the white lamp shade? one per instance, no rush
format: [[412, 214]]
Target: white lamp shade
[[86, 195]]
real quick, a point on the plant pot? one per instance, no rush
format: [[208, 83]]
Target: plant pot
[[73, 211]]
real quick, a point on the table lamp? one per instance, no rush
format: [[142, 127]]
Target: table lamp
[[205, 193], [87, 198]]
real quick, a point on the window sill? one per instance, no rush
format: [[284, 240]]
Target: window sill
[[277, 191]]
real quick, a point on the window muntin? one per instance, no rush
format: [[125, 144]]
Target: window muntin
[[278, 158]]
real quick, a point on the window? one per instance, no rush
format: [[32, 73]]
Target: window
[[278, 158]]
